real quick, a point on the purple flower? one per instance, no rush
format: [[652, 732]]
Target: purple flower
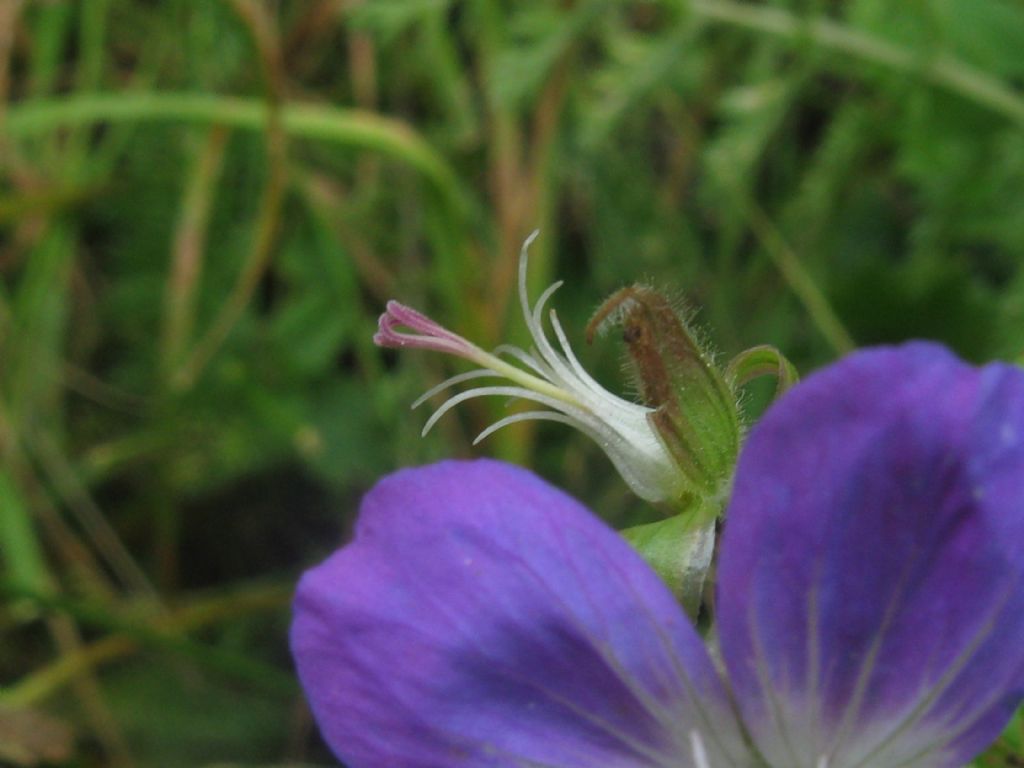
[[870, 603]]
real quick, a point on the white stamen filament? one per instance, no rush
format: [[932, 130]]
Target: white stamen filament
[[451, 382], [700, 755], [520, 392], [519, 376], [549, 374]]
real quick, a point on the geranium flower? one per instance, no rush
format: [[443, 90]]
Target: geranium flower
[[869, 611]]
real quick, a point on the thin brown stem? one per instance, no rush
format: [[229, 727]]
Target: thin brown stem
[[46, 682], [264, 35], [10, 11], [188, 250], [327, 197], [311, 25], [79, 501], [87, 689]]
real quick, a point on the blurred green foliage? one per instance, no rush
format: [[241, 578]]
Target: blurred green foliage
[[203, 207]]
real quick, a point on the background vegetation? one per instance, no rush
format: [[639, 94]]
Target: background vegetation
[[205, 205]]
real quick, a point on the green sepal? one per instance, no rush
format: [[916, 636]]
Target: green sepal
[[680, 550], [695, 412], [762, 360]]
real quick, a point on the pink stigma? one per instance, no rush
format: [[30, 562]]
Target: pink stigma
[[429, 335]]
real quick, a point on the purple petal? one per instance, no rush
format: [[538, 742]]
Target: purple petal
[[483, 618], [871, 584]]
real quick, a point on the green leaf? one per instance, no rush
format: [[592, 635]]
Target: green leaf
[[19, 546]]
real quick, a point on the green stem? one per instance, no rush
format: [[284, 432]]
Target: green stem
[[943, 71], [788, 264], [349, 127], [162, 632]]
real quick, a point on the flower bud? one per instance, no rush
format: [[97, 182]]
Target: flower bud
[[695, 411]]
